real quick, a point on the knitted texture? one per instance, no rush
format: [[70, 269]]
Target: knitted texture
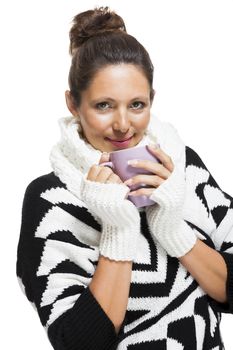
[[119, 217], [165, 217], [58, 253]]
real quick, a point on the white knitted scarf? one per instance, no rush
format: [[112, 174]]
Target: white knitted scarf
[[72, 157]]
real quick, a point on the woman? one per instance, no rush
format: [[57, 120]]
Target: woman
[[102, 273]]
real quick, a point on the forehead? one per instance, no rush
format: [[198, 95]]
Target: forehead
[[122, 79]]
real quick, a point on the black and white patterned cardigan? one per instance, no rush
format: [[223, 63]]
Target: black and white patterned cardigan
[[167, 309]]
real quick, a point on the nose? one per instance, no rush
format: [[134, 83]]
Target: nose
[[121, 121]]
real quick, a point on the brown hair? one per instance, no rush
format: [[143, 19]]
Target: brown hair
[[98, 38]]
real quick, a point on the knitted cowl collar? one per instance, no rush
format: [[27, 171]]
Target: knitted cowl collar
[[72, 157]]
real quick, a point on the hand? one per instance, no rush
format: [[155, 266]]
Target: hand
[[106, 198], [165, 217], [161, 172], [103, 174]]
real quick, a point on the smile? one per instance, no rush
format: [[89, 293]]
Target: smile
[[123, 143], [120, 140]]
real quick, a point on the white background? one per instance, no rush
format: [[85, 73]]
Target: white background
[[190, 43]]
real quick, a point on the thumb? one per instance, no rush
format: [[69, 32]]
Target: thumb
[[104, 157]]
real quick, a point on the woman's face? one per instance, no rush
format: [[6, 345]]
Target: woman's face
[[116, 106]]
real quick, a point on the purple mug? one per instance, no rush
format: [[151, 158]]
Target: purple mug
[[119, 164]]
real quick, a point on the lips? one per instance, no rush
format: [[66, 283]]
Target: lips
[[120, 144], [123, 140]]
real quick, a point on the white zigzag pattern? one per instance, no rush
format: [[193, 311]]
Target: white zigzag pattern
[[224, 232], [160, 328], [61, 306], [61, 195], [58, 282], [196, 213], [57, 219], [55, 252], [155, 305], [213, 195], [200, 325], [195, 210]]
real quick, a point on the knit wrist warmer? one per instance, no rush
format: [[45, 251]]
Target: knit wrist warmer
[[120, 218], [165, 217]]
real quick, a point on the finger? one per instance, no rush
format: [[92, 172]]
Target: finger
[[103, 174], [98, 173], [93, 172], [151, 180], [113, 178], [153, 167], [104, 157], [162, 156]]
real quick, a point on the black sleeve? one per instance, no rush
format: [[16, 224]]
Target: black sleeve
[[54, 269], [85, 326], [215, 213]]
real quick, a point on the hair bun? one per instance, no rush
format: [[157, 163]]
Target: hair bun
[[92, 22]]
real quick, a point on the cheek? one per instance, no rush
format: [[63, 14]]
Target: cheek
[[142, 122], [96, 125]]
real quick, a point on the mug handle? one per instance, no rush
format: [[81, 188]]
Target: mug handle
[[109, 164]]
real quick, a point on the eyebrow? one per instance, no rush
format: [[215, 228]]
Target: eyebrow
[[111, 99]]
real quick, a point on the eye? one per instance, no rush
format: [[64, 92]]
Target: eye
[[102, 105], [138, 104]]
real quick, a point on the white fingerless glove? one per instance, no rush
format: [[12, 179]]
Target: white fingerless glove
[[120, 218], [165, 218]]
